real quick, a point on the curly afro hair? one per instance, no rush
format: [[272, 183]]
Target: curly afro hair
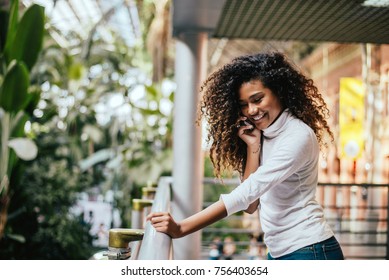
[[221, 110]]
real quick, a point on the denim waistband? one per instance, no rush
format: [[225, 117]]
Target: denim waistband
[[328, 249]]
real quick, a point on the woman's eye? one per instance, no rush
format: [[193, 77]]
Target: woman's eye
[[257, 100]]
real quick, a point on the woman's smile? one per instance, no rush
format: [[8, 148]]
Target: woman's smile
[[257, 117], [259, 104]]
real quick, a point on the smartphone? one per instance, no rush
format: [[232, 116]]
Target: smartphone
[[245, 123]]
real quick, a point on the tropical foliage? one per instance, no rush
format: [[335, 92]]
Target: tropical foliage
[[21, 42], [39, 210]]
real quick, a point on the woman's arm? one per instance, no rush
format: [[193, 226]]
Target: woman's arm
[[164, 222], [252, 164], [252, 137]]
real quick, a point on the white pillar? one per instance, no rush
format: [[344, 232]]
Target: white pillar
[[190, 71]]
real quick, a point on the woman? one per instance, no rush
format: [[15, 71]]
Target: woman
[[267, 121]]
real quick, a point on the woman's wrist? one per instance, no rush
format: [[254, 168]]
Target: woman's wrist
[[253, 149], [179, 230]]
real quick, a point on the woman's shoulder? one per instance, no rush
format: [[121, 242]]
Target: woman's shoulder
[[298, 126], [300, 138], [298, 131]]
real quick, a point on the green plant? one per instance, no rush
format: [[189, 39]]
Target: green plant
[[41, 205], [20, 45]]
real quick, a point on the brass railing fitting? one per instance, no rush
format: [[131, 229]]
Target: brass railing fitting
[[121, 237], [139, 204]]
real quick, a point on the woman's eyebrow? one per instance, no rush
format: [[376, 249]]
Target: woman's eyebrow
[[253, 96], [257, 94]]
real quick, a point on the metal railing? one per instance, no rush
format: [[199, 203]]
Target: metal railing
[[142, 241], [360, 223], [156, 245]]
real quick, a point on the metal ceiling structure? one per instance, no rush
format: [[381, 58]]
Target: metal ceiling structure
[[345, 21]]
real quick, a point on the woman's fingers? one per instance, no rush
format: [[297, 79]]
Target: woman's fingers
[[247, 130], [157, 217], [163, 222], [160, 221], [244, 126]]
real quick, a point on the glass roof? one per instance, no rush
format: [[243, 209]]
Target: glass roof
[[82, 16]]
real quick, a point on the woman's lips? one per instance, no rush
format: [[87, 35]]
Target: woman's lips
[[257, 117]]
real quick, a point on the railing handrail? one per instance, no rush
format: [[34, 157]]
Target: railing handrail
[[236, 181], [370, 185], [157, 245]]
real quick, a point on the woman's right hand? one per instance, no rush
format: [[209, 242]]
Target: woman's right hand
[[164, 222], [249, 133]]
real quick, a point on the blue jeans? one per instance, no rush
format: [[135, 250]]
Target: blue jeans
[[326, 250]]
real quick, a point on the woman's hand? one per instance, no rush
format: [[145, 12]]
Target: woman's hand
[[248, 133], [164, 222]]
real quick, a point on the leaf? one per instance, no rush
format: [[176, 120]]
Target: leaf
[[171, 96], [12, 23], [152, 92], [76, 71], [27, 42], [17, 237], [93, 132], [147, 112], [18, 127], [13, 93], [115, 163], [24, 148], [3, 29], [97, 157], [33, 100]]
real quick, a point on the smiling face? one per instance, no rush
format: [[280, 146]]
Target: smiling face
[[259, 104]]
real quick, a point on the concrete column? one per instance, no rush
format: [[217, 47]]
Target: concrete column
[[190, 71]]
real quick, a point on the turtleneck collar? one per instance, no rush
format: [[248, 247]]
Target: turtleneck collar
[[277, 127]]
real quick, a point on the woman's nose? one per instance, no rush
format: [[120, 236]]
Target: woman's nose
[[252, 109]]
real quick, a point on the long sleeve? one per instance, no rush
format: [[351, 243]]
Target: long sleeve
[[289, 154]]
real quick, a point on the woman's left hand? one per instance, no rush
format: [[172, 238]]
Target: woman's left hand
[[164, 222]]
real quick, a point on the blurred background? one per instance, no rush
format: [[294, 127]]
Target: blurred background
[[88, 93]]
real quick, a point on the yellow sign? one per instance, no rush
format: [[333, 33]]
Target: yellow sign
[[351, 117]]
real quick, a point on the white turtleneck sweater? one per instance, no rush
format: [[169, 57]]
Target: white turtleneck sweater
[[286, 184]]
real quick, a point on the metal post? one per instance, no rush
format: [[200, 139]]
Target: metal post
[[123, 243], [138, 214], [157, 245], [190, 71], [148, 192]]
